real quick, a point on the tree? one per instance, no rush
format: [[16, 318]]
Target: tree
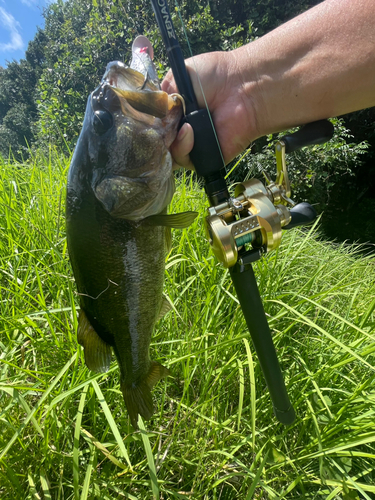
[[81, 41], [18, 109]]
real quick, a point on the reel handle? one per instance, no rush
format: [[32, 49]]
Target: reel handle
[[302, 214]]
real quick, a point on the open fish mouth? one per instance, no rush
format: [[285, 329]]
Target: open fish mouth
[[139, 92]]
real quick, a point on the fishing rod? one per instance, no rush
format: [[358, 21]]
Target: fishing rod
[[242, 228]]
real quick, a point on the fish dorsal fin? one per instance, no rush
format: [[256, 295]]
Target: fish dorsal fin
[[152, 103], [97, 352], [178, 221], [164, 308]]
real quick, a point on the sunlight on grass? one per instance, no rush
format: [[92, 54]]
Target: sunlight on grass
[[65, 431]]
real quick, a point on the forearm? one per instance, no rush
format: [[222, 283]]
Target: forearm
[[318, 65]]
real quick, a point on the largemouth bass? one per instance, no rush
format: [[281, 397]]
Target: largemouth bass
[[120, 182]]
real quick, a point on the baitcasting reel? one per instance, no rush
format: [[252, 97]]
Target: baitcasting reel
[[257, 213]]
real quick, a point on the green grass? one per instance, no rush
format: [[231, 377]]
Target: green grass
[[65, 433]]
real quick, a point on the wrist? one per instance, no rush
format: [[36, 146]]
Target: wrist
[[247, 76]]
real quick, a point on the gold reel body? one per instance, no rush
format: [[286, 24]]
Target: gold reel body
[[255, 215]]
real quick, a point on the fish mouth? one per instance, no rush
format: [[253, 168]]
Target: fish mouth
[[136, 92]]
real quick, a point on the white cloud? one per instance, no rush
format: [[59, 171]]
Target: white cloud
[[30, 3], [36, 4], [11, 25]]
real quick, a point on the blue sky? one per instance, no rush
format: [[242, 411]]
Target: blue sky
[[19, 20]]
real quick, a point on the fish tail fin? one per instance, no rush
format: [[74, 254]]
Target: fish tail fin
[[97, 352], [138, 397]]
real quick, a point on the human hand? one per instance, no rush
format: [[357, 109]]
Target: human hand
[[228, 99]]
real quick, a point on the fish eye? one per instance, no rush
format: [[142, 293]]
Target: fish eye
[[102, 122]]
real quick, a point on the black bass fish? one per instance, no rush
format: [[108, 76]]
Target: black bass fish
[[120, 182]]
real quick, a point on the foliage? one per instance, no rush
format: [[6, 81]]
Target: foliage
[[8, 141], [17, 106], [362, 126], [82, 41], [266, 15], [65, 431]]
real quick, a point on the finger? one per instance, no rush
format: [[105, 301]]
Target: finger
[[182, 146]]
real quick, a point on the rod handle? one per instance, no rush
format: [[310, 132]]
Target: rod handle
[[206, 156], [317, 132], [248, 294]]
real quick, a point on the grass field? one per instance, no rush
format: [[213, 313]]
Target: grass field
[[65, 433]]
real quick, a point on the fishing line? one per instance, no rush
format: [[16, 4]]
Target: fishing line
[[199, 80], [101, 293]]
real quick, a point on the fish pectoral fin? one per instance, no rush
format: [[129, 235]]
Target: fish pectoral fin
[[177, 221], [155, 373], [97, 352], [164, 309], [145, 101], [138, 397]]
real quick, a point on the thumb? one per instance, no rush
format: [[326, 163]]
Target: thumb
[[182, 146], [168, 84]]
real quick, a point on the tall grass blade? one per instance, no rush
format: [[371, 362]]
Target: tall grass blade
[[150, 459], [86, 482], [252, 390], [368, 313], [45, 487], [111, 422], [32, 486], [256, 479], [76, 449], [104, 450], [242, 391]]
